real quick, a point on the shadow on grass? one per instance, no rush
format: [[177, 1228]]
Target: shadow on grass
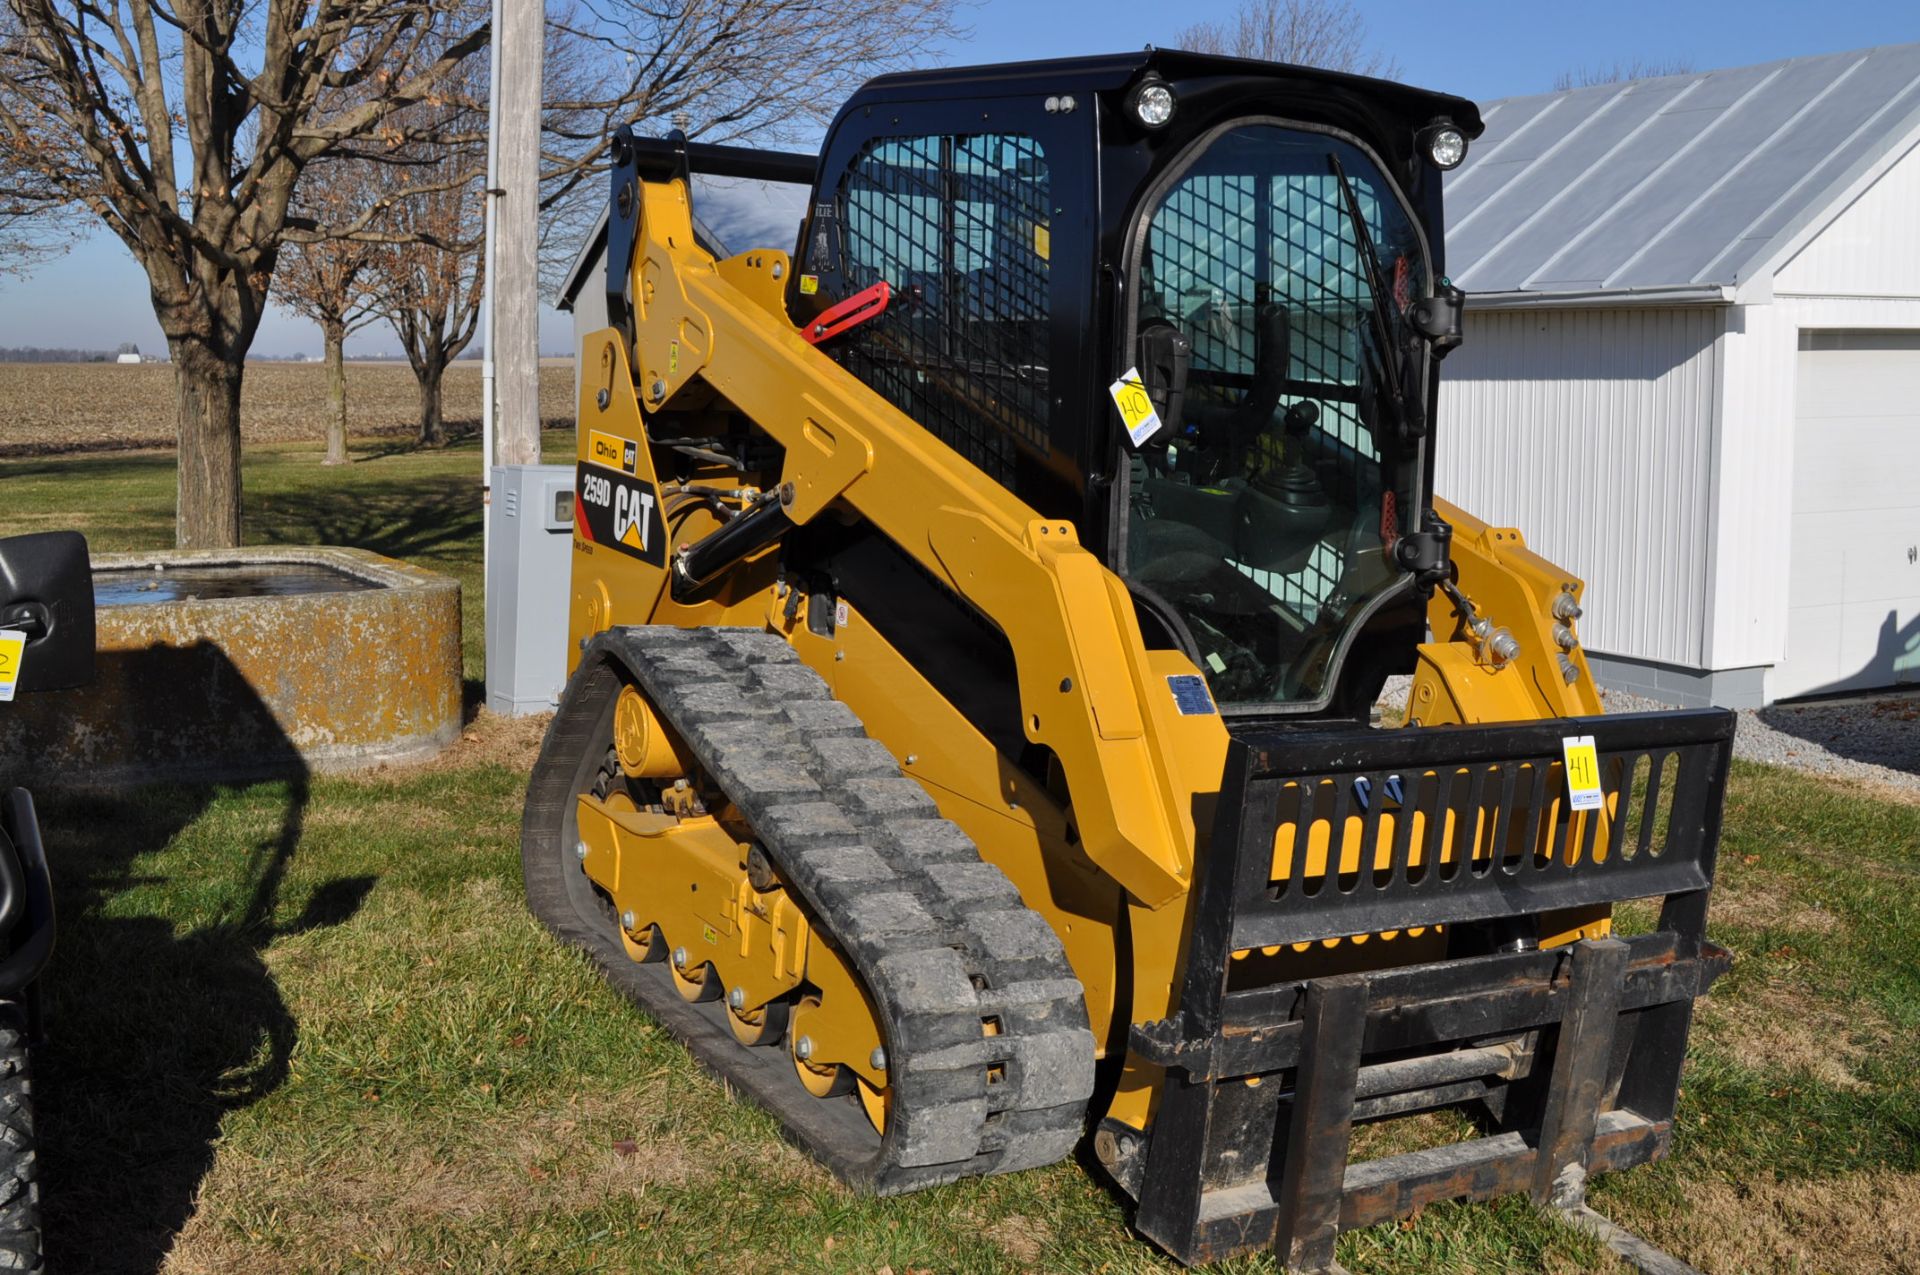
[[424, 517], [98, 467], [458, 433], [161, 1017], [555, 432]]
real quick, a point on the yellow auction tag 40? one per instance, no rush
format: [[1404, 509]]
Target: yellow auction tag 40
[[1136, 409], [13, 649], [1583, 773]]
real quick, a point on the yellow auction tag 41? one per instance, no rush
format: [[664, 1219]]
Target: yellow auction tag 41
[[1136, 409], [13, 649], [1583, 773]]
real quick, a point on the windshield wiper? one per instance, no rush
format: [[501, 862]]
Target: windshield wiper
[[1388, 367]]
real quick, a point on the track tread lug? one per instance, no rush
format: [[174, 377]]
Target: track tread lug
[[892, 798], [790, 682], [931, 841], [973, 883], [856, 865], [855, 757], [823, 719], [881, 916]]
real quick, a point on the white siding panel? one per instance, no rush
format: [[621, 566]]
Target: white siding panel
[[1871, 249], [1752, 539], [1753, 546], [1854, 581], [1591, 431]]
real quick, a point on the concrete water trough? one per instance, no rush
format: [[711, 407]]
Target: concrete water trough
[[240, 664]]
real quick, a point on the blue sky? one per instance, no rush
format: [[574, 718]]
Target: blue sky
[[96, 296]]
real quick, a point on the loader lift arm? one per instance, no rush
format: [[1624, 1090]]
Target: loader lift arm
[[1083, 667]]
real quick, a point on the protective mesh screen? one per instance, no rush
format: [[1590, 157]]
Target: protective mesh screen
[[1224, 245], [958, 227]]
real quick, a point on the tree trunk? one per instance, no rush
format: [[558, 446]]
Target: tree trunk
[[433, 425], [335, 333], [207, 512]]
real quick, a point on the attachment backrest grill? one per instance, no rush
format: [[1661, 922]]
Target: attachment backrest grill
[[1400, 839]]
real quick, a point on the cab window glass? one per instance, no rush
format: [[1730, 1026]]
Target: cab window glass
[[1265, 522], [958, 226]]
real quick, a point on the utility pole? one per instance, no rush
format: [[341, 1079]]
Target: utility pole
[[510, 426], [519, 41], [492, 195]]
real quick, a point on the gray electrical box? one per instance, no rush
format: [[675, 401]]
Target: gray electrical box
[[529, 571]]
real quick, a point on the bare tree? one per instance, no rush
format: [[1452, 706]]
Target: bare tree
[[30, 185], [430, 287], [326, 280], [772, 71], [28, 233], [185, 126], [1618, 72], [192, 121], [1325, 33]]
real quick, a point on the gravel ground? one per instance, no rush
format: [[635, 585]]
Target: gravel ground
[[1871, 738]]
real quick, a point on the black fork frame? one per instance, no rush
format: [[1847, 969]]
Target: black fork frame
[[1573, 1052]]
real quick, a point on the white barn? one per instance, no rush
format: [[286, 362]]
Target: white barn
[[1692, 367]]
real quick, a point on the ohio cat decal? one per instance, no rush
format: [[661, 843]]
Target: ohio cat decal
[[622, 454]]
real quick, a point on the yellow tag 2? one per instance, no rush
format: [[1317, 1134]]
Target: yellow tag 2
[[809, 284], [1583, 773], [13, 651], [1136, 409]]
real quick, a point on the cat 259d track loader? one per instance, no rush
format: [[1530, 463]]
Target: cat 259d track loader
[[977, 618]]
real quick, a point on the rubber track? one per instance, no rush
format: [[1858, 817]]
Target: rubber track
[[940, 939], [20, 1248]]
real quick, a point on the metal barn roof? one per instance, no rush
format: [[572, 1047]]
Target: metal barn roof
[[1677, 188]]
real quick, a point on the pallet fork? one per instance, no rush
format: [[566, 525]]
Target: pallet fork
[[1571, 1054]]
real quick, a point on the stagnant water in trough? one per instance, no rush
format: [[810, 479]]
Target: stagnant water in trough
[[133, 586]]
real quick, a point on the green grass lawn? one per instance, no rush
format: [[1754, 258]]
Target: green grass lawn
[[309, 1026]]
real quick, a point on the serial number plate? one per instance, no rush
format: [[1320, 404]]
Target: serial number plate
[[1190, 694]]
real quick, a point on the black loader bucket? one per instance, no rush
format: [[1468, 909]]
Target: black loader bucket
[[1569, 1057]]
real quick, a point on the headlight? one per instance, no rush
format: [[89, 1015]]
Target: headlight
[[1151, 103], [1446, 146]]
